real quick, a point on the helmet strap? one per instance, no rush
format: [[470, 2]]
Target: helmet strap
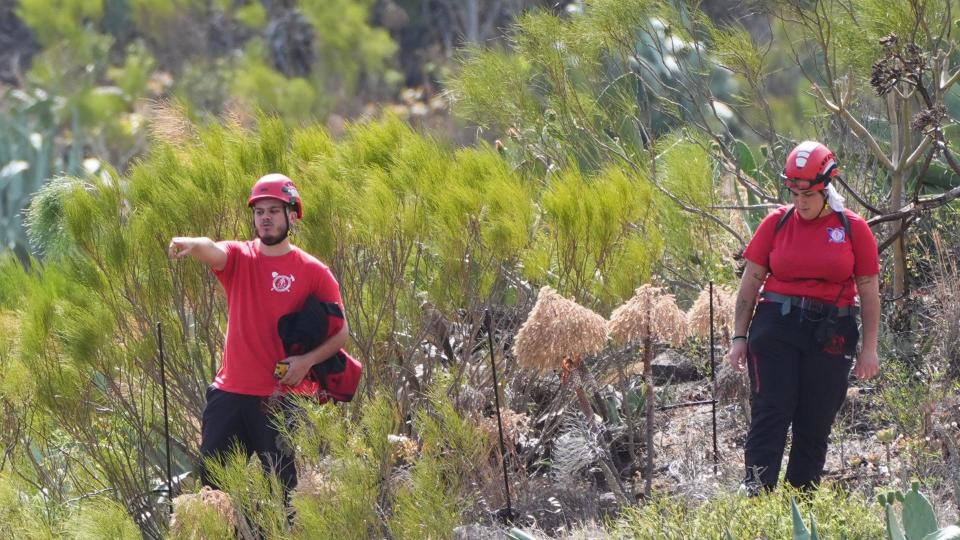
[[286, 216], [825, 202]]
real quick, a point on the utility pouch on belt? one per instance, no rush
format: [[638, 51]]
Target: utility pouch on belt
[[828, 326]]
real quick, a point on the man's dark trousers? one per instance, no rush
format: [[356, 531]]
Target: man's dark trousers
[[248, 422]]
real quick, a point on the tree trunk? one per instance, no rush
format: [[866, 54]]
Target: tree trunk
[[899, 246], [898, 112]]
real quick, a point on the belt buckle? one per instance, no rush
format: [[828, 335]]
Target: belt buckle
[[809, 304]]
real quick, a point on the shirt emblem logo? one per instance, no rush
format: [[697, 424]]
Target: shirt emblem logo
[[836, 235], [282, 283]]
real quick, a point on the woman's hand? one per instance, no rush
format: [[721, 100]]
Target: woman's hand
[[737, 357], [868, 287], [868, 364]]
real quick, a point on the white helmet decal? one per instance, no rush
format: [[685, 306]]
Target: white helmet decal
[[804, 151]]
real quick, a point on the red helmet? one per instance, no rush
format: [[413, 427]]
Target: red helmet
[[810, 165], [277, 186]]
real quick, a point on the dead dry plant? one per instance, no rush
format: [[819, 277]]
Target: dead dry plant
[[698, 317], [558, 328], [651, 313], [650, 316], [169, 123], [187, 507], [732, 387], [560, 334]]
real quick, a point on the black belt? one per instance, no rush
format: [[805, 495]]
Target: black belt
[[806, 304]]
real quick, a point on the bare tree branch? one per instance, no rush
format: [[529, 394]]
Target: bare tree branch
[[918, 207], [918, 151], [896, 234], [863, 202], [857, 127]]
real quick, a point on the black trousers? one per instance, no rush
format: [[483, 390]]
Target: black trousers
[[794, 381], [232, 421]]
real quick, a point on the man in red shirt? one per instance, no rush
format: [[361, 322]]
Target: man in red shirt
[[264, 279], [813, 260]]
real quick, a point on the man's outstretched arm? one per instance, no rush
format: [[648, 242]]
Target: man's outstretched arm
[[203, 249]]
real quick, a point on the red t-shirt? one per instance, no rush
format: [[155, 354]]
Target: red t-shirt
[[260, 289], [814, 258]]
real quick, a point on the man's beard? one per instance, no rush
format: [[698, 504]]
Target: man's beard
[[274, 239]]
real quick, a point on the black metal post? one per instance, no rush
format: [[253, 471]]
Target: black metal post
[[496, 399], [166, 417], [713, 383]]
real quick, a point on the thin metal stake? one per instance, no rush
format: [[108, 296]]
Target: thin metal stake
[[713, 382], [166, 418], [496, 397]]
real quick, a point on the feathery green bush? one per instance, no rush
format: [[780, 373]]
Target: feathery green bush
[[837, 513]]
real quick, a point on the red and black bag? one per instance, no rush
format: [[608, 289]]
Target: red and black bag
[[304, 330], [340, 381]]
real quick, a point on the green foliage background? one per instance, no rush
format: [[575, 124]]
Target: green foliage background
[[401, 218], [624, 130]]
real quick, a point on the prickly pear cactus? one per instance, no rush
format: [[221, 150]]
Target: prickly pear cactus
[[917, 515], [919, 520], [947, 533], [894, 532]]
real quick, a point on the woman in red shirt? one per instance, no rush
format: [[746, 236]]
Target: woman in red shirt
[[806, 266]]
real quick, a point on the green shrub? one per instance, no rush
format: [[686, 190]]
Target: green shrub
[[103, 519], [766, 516]]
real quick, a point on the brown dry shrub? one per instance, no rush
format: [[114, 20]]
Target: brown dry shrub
[[515, 425], [724, 304], [732, 385], [405, 449], [316, 482], [169, 123], [558, 328], [189, 508], [650, 313]]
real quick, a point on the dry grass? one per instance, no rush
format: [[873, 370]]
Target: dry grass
[[650, 313], [169, 123], [558, 328]]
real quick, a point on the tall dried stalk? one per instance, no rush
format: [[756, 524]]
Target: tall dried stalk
[[560, 334], [650, 316]]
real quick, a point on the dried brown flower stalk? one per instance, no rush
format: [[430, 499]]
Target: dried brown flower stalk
[[557, 328], [650, 313], [316, 482], [190, 503], [169, 123], [724, 304], [515, 425]]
